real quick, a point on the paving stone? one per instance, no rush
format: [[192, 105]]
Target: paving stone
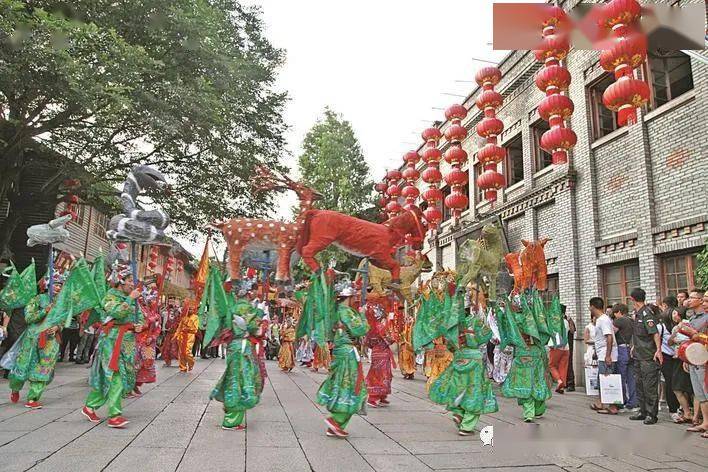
[[266, 459], [146, 459]]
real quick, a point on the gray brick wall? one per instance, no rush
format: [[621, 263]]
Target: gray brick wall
[[640, 179]]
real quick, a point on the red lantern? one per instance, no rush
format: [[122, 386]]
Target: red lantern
[[488, 77], [624, 97], [489, 128], [433, 195], [491, 153], [431, 175], [456, 177], [455, 133], [491, 181], [393, 191], [489, 99], [554, 78], [555, 107], [393, 207], [557, 141], [380, 187], [626, 51], [393, 175], [411, 175], [456, 201], [455, 155], [432, 215]]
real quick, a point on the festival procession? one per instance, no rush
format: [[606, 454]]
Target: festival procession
[[191, 281]]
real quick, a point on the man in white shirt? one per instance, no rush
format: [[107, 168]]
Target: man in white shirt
[[605, 347]]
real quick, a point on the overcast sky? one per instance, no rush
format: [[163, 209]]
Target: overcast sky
[[384, 65]]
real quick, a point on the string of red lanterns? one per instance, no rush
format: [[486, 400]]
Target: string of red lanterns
[[380, 188], [411, 175], [627, 50], [552, 79], [490, 181], [432, 176], [456, 156], [393, 192]]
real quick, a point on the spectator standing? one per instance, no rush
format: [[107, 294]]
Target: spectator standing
[[681, 380], [605, 349], [682, 298], [558, 356], [570, 378], [625, 327], [590, 357], [698, 322], [666, 324], [646, 349]]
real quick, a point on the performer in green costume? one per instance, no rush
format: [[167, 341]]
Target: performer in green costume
[[240, 386], [234, 320], [37, 350], [464, 387], [528, 379], [343, 392], [113, 371]]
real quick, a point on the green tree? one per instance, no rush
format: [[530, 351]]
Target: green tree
[[333, 163], [702, 269], [99, 86]]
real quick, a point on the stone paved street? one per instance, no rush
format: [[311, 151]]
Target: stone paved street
[[174, 427]]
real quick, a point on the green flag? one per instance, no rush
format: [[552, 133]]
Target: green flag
[[98, 274], [318, 313], [77, 295], [20, 287], [214, 307]]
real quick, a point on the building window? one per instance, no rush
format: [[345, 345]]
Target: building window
[[670, 75], [446, 212], [619, 281], [80, 213], [100, 225], [603, 120], [478, 194], [541, 158], [514, 162], [678, 273], [551, 289]]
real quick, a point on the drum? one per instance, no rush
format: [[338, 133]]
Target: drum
[[694, 353]]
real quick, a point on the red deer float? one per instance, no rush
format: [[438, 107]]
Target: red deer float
[[359, 237], [268, 234], [528, 266]]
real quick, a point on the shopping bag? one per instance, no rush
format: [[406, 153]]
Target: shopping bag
[[591, 384], [611, 389]]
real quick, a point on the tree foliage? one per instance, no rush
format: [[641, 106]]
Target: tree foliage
[[702, 269], [184, 85], [333, 163]]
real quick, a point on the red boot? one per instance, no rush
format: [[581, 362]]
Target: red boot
[[14, 397], [33, 405]]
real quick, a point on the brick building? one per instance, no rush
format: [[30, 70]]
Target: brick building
[[629, 209]]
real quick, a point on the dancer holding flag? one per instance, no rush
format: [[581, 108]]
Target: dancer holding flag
[[233, 321], [113, 370], [464, 387]]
